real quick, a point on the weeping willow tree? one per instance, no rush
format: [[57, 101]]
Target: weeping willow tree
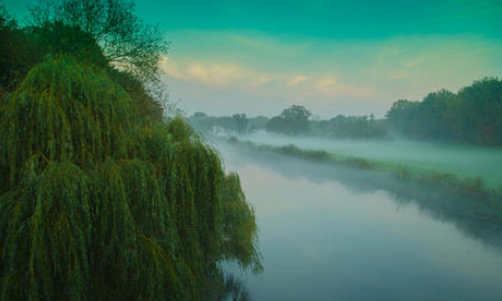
[[98, 203]]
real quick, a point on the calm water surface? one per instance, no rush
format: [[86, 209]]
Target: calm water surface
[[322, 240]]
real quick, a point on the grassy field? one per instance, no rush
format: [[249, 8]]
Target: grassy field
[[464, 161]]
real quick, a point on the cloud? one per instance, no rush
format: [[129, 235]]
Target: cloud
[[210, 74], [349, 76], [329, 86], [296, 80], [236, 77], [225, 74], [170, 68], [215, 74], [262, 79]]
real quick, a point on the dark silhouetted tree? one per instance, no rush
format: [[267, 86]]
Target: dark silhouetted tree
[[125, 40], [18, 53], [241, 123], [292, 121]]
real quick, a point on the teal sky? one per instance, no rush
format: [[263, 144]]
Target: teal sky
[[334, 57]]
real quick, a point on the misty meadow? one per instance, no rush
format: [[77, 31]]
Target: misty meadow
[[250, 150]]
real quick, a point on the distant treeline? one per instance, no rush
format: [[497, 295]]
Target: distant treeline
[[354, 127], [473, 116]]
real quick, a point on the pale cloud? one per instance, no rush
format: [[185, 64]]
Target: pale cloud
[[331, 87], [296, 80], [326, 84], [232, 76], [262, 79], [350, 76], [224, 74], [215, 74], [170, 68], [211, 74]]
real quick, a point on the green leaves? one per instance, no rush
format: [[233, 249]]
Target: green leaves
[[97, 203], [239, 242], [470, 116]]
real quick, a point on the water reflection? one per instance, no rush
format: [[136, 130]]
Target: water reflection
[[235, 290], [468, 216], [336, 234]]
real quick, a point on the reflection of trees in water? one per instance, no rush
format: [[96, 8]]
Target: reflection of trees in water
[[233, 290], [474, 217]]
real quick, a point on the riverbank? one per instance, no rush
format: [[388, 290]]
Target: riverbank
[[463, 161], [442, 193]]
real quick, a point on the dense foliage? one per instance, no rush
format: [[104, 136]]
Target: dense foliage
[[22, 48], [100, 199], [350, 127], [473, 115], [292, 121], [98, 203]]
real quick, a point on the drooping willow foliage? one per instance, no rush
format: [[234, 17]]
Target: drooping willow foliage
[[97, 203]]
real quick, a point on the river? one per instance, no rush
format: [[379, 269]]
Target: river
[[323, 238]]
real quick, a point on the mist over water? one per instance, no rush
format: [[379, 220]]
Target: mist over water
[[325, 239], [461, 160]]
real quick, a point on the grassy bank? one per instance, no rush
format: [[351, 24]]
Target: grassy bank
[[464, 161], [477, 199]]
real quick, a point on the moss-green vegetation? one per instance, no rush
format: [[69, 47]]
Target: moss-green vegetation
[[83, 29], [470, 116], [99, 203]]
